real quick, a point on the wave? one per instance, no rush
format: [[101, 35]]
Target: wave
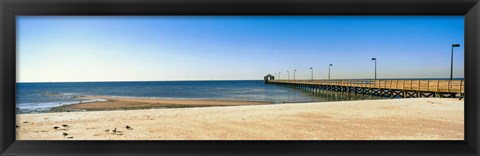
[[46, 106]]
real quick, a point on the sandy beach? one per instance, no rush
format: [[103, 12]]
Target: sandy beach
[[388, 119]]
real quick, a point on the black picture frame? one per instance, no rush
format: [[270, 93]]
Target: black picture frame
[[11, 8]]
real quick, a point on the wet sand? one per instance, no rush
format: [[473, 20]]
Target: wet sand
[[117, 103], [390, 119]]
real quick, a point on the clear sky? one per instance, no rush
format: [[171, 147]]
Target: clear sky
[[149, 48]]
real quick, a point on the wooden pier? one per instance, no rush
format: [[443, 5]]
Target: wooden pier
[[382, 88]]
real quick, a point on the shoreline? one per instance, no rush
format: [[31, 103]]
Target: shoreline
[[129, 103], [386, 119]]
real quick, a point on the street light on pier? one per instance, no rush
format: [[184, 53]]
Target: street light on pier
[[279, 75], [451, 65], [312, 72], [329, 71], [294, 74], [375, 59], [288, 74]]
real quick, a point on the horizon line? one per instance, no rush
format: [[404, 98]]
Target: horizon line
[[133, 81], [227, 80]]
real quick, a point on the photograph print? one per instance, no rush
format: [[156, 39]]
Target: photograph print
[[240, 78]]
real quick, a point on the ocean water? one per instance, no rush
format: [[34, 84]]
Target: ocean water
[[40, 97]]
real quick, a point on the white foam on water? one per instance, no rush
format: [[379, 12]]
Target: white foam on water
[[44, 106]]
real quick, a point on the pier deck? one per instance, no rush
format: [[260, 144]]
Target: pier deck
[[382, 88]]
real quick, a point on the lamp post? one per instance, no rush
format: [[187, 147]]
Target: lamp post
[[312, 72], [375, 59], [329, 71], [451, 65], [288, 74], [279, 75], [294, 74]]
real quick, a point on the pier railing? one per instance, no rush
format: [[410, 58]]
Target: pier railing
[[444, 86]]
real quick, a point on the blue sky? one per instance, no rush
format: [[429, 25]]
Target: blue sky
[[149, 48]]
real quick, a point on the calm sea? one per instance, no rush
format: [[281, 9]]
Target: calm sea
[[39, 97]]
